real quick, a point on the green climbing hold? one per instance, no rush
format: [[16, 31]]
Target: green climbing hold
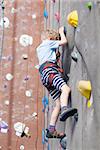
[[89, 5]]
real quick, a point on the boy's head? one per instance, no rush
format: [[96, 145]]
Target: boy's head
[[50, 34]]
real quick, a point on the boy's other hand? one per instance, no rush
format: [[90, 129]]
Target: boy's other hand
[[61, 29]]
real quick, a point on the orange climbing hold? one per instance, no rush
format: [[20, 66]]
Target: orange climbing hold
[[73, 18], [85, 88]]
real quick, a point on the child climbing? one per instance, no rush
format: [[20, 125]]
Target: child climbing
[[51, 77]]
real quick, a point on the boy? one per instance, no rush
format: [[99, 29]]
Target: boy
[[51, 76]]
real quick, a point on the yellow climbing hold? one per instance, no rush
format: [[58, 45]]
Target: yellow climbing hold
[[90, 101], [73, 18], [85, 89], [89, 104]]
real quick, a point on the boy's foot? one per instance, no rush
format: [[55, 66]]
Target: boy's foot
[[54, 134], [68, 112]]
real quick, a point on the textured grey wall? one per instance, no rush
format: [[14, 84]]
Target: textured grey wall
[[85, 135]]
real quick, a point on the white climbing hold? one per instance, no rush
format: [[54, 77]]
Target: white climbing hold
[[33, 16], [13, 10], [4, 57], [4, 22], [37, 66], [5, 65], [26, 40], [25, 56], [28, 93], [6, 102], [34, 114], [22, 147], [19, 128], [9, 76]]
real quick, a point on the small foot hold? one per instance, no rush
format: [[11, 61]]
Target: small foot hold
[[63, 142], [68, 113], [74, 56], [54, 134], [76, 117]]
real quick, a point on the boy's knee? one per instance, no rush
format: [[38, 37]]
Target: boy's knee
[[65, 88]]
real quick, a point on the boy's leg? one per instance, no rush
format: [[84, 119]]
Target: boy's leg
[[55, 113], [60, 84], [51, 132], [65, 111], [65, 91]]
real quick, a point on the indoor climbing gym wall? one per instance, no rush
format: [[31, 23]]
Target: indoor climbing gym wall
[[21, 116], [80, 61], [25, 106]]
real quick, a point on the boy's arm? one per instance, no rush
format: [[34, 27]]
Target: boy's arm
[[63, 37]]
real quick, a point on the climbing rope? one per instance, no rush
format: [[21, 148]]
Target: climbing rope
[[2, 35], [2, 39], [44, 90], [37, 92]]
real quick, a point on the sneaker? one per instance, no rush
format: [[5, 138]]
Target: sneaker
[[67, 113], [54, 134]]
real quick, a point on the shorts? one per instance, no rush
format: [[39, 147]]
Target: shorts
[[52, 79]]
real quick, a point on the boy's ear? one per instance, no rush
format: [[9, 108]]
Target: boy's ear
[[51, 38]]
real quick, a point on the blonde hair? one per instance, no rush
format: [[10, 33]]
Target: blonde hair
[[52, 34]]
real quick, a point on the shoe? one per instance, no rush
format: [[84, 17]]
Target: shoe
[[68, 112], [54, 134]]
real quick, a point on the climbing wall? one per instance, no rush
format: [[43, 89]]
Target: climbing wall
[[21, 92], [85, 135], [84, 41]]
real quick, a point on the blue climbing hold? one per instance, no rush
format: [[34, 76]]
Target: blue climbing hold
[[45, 102], [44, 138], [45, 13]]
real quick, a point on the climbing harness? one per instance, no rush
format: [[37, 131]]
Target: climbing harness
[[53, 66]]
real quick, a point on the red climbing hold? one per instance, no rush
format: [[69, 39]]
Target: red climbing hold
[[57, 15]]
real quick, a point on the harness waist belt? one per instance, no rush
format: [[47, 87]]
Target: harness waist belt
[[49, 64]]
